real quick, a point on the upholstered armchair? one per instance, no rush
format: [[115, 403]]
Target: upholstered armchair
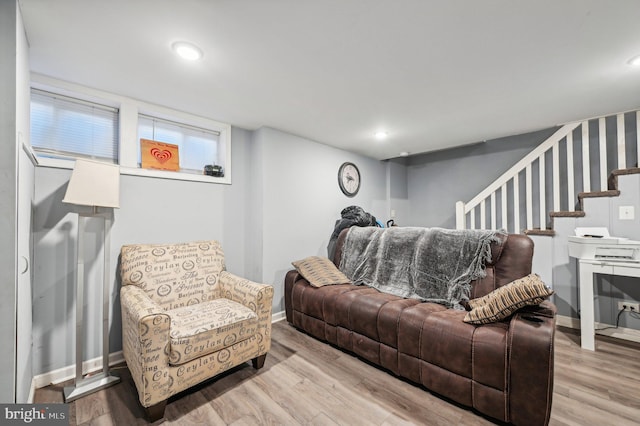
[[186, 319]]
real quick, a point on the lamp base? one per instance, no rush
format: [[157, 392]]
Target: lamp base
[[89, 385]]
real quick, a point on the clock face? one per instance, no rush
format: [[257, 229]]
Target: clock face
[[349, 179]]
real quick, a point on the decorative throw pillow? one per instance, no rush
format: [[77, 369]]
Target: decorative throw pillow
[[504, 301], [320, 271]]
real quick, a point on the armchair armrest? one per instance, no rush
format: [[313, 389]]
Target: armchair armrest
[[531, 358], [145, 329], [136, 302], [255, 296]]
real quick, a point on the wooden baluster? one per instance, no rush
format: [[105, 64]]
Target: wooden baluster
[[622, 155], [602, 140], [543, 192], [571, 190], [586, 166], [556, 178], [516, 203], [529, 196], [493, 211]]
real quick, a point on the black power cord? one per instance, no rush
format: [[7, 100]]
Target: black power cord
[[617, 322]]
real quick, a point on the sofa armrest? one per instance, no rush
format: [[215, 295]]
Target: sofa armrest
[[145, 328], [289, 280], [545, 309], [531, 357]]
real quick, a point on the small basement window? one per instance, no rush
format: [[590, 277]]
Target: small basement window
[[70, 121], [66, 127], [200, 150]]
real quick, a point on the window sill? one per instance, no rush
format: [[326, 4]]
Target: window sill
[[161, 174], [131, 171]]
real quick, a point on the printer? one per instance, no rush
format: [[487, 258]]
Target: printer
[[597, 244]]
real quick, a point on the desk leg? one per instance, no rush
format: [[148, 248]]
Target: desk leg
[[587, 320]]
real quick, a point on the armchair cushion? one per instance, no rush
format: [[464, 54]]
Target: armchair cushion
[[206, 327], [174, 275]]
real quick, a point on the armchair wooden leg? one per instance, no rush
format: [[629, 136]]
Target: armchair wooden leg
[[258, 362], [156, 412]]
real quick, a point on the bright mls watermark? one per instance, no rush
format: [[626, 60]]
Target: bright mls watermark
[[34, 414]]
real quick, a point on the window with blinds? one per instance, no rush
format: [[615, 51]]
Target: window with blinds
[[197, 147], [65, 127]]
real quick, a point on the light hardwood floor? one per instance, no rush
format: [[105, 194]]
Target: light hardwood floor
[[305, 381]]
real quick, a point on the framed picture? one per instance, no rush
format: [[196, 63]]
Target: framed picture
[[159, 155]]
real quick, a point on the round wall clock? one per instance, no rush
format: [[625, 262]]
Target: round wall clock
[[349, 179]]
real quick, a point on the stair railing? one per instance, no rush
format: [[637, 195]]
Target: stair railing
[[501, 205]]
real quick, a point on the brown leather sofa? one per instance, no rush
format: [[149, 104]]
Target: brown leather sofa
[[503, 370]]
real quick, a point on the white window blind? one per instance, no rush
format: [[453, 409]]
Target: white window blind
[[63, 127], [197, 147]]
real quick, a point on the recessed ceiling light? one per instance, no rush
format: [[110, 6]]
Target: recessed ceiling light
[[635, 61], [380, 135], [187, 51], [404, 154]]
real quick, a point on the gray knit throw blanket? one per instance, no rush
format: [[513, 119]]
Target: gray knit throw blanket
[[430, 264]]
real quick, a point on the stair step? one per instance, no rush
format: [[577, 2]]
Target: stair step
[[613, 191], [612, 181], [595, 194], [567, 214], [537, 231]]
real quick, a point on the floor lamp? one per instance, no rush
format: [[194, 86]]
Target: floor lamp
[[94, 184]]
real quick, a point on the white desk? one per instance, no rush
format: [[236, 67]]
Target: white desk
[[588, 267]]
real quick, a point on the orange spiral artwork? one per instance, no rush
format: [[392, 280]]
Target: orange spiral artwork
[[162, 155]]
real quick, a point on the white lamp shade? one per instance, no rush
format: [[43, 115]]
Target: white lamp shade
[[94, 183]]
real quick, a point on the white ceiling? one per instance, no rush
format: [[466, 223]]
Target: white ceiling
[[432, 73]]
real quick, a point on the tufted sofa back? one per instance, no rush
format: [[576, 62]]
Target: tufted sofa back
[[174, 275]]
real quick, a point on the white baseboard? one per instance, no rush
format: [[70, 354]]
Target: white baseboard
[[619, 333], [569, 322], [278, 316], [32, 391], [69, 372]]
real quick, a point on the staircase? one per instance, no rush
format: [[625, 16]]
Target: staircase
[[580, 160]]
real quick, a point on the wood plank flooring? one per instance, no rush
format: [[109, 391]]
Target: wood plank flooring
[[308, 382]]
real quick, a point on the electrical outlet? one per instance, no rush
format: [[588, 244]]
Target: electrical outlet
[[628, 306], [626, 213]]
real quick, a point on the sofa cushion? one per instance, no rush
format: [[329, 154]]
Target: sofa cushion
[[320, 271], [504, 301], [370, 312], [201, 329]]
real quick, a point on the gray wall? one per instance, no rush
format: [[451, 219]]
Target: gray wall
[[438, 180], [398, 184], [298, 187]]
